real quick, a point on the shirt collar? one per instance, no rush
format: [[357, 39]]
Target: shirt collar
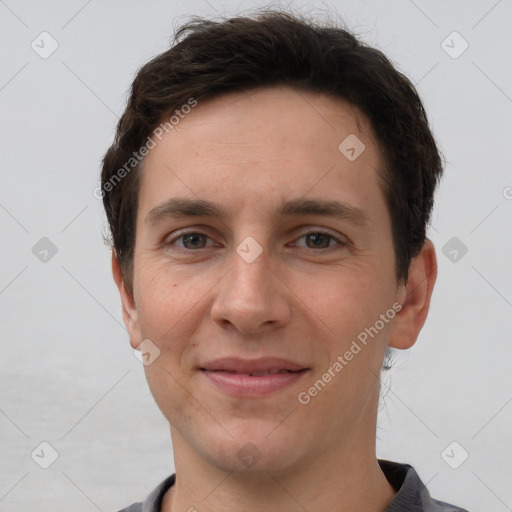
[[411, 493]]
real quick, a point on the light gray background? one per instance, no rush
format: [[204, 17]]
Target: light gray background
[[68, 375]]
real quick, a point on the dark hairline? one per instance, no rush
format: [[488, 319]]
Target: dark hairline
[[331, 61]]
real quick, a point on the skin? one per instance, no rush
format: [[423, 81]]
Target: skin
[[247, 152]]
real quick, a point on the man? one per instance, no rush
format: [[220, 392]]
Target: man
[[268, 193]]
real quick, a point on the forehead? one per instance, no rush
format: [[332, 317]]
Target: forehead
[[262, 146]]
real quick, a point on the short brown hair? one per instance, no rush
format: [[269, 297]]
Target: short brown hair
[[210, 58]]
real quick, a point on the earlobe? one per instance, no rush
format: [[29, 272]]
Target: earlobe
[[130, 315], [418, 292]]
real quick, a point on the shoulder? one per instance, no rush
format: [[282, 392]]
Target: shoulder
[[411, 493], [153, 501], [136, 507], [441, 506]]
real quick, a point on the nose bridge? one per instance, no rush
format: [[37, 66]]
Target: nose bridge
[[251, 267], [251, 279], [250, 296]]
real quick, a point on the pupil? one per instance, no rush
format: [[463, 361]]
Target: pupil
[[318, 238], [193, 238]]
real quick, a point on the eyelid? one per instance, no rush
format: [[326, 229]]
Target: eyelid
[[341, 240], [186, 231], [326, 231]]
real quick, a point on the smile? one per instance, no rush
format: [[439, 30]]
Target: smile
[[254, 383]]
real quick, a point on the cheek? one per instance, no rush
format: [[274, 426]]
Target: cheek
[[167, 306], [347, 311], [164, 298], [170, 306], [344, 302], [170, 391]]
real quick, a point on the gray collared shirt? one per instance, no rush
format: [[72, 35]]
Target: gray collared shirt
[[411, 494]]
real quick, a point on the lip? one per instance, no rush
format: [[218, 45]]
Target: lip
[[235, 364], [232, 375]]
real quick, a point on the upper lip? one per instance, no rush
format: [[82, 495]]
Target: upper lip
[[251, 365]]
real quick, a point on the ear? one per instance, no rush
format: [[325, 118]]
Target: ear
[[130, 315], [415, 295]]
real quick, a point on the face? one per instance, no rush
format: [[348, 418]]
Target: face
[[284, 269]]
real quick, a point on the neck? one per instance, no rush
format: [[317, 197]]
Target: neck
[[340, 479]]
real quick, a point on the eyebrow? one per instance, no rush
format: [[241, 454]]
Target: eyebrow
[[176, 208]]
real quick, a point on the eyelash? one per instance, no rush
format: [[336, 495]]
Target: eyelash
[[340, 243]]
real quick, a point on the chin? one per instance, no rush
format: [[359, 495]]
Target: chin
[[254, 448]]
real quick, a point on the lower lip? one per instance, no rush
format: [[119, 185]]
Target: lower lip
[[247, 385]]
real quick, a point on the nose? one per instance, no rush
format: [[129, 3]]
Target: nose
[[252, 298]]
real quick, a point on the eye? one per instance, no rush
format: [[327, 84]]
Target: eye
[[320, 240], [195, 240], [191, 240]]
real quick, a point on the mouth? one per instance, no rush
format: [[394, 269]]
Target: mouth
[[252, 378], [256, 374]]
